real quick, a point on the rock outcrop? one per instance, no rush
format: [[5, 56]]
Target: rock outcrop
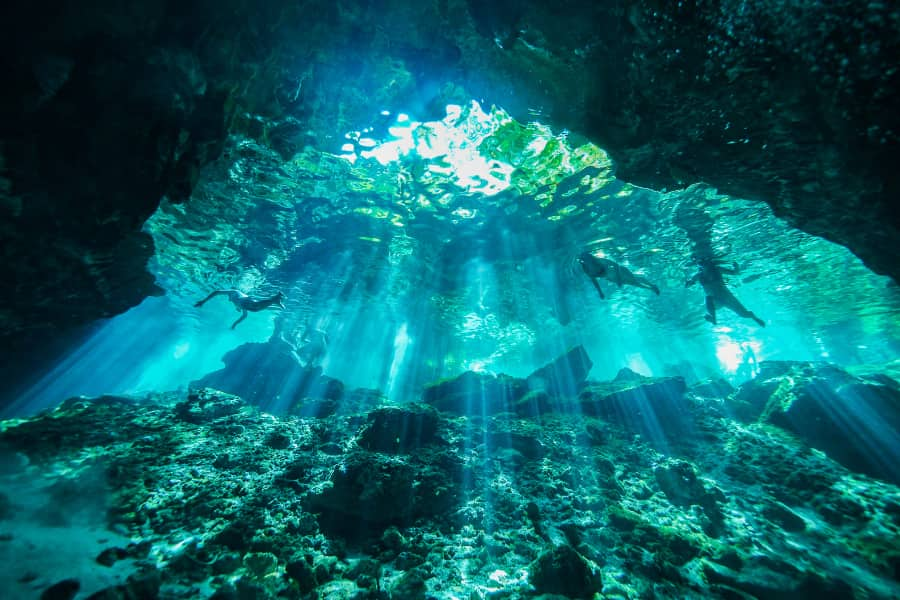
[[474, 393], [267, 375], [854, 421], [653, 406], [417, 502]]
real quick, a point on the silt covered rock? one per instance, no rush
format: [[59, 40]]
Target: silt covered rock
[[565, 375], [648, 405], [855, 421], [475, 393], [564, 571], [400, 429]]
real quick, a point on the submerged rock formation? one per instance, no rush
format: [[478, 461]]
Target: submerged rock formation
[[854, 421], [268, 375], [206, 493]]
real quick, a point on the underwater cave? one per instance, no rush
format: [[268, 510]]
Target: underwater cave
[[450, 299]]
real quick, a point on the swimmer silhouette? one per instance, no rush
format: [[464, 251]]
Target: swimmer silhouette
[[315, 345], [711, 279], [595, 268], [244, 303]]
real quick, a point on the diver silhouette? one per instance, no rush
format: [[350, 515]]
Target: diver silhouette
[[244, 303], [595, 267], [710, 276], [315, 345]]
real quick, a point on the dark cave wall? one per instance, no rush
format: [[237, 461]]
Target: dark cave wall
[[110, 105], [783, 102]]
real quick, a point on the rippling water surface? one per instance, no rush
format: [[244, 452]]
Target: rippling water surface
[[427, 248]]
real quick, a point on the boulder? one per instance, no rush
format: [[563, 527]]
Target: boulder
[[372, 491], [207, 405], [679, 482], [522, 437], [475, 393], [712, 388], [565, 375], [533, 404], [564, 571], [855, 421], [777, 580], [267, 375], [652, 406], [400, 429]]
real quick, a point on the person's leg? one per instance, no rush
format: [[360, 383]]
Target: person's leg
[[741, 310], [711, 310], [645, 283], [242, 317], [211, 296]]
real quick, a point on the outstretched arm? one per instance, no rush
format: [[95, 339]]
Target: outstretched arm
[[212, 295], [242, 317], [597, 285]]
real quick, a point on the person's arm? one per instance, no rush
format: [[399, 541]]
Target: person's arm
[[210, 297], [692, 280]]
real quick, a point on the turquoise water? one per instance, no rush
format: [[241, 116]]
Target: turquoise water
[[397, 429], [426, 249]]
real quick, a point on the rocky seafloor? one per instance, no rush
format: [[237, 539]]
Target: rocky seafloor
[[486, 486]]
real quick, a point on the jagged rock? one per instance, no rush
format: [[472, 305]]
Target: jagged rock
[[267, 375], [534, 403], [777, 580], [400, 429], [319, 514], [207, 405], [784, 517], [366, 572], [77, 205], [361, 400], [667, 545], [109, 556], [411, 585], [63, 590], [565, 375], [518, 437], [712, 388], [626, 375], [300, 570], [143, 584], [564, 571], [475, 393], [645, 404], [856, 422], [372, 491], [679, 482]]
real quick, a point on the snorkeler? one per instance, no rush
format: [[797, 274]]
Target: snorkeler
[[314, 347], [711, 279], [595, 267], [243, 303]]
